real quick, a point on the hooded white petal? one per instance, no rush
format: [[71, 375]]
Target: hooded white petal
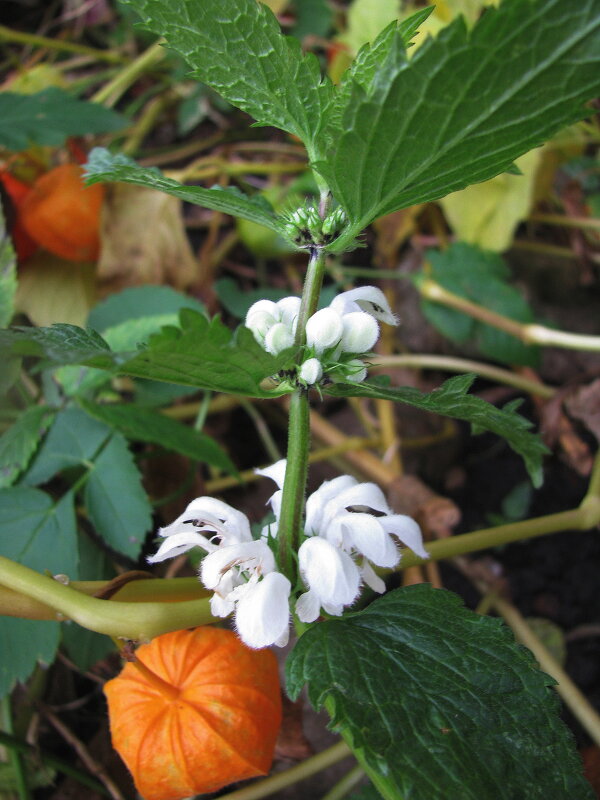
[[263, 307], [360, 494], [276, 472], [324, 330], [316, 502], [328, 572], [365, 298], [262, 612], [407, 530], [308, 606], [253, 556], [361, 331], [364, 534], [209, 514], [180, 543]]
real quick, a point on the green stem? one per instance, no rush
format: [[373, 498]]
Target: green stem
[[110, 94], [291, 776], [294, 487], [125, 620], [346, 784], [14, 757], [20, 37]]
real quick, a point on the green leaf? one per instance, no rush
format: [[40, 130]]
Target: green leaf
[[28, 642], [115, 499], [312, 17], [8, 273], [74, 440], [439, 702], [65, 344], [20, 441], [102, 166], [204, 353], [463, 108], [237, 301], [480, 276], [49, 117], [145, 425], [38, 532], [139, 301], [452, 400], [236, 47]]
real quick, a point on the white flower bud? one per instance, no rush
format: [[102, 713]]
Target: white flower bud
[[260, 323], [361, 331], [311, 371], [289, 308], [263, 306], [324, 329], [278, 338]]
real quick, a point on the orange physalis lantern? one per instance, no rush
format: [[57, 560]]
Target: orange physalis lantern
[[63, 215], [202, 710]]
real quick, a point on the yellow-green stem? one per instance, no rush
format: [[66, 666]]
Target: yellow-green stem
[[32, 39]]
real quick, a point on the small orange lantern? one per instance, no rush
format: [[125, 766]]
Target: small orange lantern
[[63, 215], [199, 710]]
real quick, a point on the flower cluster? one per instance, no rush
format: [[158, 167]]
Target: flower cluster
[[343, 539], [335, 336], [306, 228]]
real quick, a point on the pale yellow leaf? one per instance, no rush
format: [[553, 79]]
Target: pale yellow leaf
[[367, 18], [143, 240], [52, 289], [276, 6], [487, 214]]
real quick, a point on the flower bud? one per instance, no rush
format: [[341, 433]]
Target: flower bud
[[315, 224], [361, 331], [289, 308], [311, 371], [278, 338], [260, 323], [324, 330]]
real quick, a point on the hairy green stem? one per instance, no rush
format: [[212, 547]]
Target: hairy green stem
[[291, 776], [294, 487]]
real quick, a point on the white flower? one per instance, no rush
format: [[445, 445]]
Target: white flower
[[241, 571], [324, 330], [310, 371], [361, 331], [274, 324], [278, 338], [341, 531], [366, 298]]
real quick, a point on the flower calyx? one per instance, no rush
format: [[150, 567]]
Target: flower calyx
[[307, 229]]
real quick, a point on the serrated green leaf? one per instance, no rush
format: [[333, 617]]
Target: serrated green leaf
[[8, 273], [20, 441], [439, 702], [204, 353], [451, 399], [463, 108], [480, 276], [102, 166], [115, 499], [144, 425], [28, 642], [37, 531], [236, 47], [74, 440], [49, 117], [65, 344]]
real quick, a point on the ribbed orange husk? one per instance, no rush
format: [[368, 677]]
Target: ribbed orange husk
[[63, 215], [220, 728]]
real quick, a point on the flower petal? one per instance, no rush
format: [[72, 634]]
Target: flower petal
[[210, 514], [289, 308], [361, 332], [407, 530], [328, 572], [220, 606], [308, 606], [324, 330], [371, 578], [365, 534], [179, 543], [254, 556], [316, 502], [361, 494], [262, 614], [278, 338], [276, 472], [365, 298]]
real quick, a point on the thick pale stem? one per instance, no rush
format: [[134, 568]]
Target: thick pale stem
[[527, 333]]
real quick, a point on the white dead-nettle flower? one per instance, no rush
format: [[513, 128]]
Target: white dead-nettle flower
[[369, 299], [310, 371], [324, 330], [264, 316], [239, 570], [344, 539]]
